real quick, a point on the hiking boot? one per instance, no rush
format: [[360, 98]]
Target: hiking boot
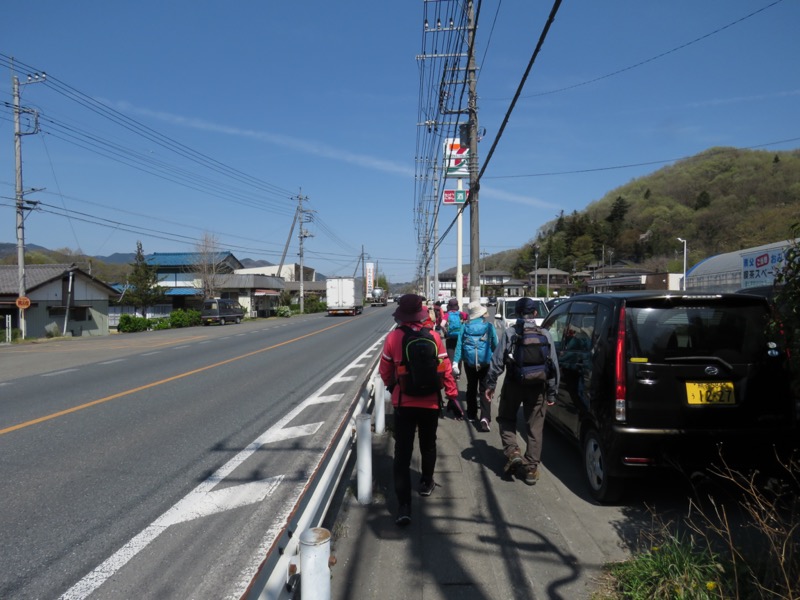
[[531, 475], [514, 460], [426, 488], [485, 427], [403, 515]]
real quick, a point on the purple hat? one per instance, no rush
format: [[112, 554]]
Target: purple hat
[[452, 304], [410, 309]]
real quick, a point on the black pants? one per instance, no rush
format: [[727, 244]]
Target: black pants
[[476, 392], [407, 421]]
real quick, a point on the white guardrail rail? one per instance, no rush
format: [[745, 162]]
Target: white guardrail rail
[[302, 539]]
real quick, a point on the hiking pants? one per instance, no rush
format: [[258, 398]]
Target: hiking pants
[[532, 399], [476, 388], [407, 422]]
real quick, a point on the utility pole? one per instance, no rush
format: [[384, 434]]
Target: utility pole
[[304, 217], [472, 105], [20, 196]]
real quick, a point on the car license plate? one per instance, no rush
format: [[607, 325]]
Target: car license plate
[[710, 392]]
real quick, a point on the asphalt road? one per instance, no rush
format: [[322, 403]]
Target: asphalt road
[[158, 464]]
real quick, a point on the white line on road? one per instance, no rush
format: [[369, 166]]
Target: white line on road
[[111, 362], [54, 373]]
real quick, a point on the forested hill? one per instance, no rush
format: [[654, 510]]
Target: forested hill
[[721, 200]]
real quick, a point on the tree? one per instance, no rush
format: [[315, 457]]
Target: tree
[[143, 290], [206, 265]]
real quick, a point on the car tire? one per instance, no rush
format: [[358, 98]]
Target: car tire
[[238, 320], [602, 486], [222, 321]]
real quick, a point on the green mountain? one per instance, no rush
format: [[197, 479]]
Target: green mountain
[[721, 200]]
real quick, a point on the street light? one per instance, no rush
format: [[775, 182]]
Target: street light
[[683, 285]]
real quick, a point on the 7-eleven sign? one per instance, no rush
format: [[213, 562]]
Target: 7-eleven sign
[[456, 158]]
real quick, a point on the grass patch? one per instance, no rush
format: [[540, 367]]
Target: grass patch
[[744, 546]]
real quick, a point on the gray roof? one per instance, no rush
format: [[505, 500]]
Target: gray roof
[[38, 275], [731, 261]]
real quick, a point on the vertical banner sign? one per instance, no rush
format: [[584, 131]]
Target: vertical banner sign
[[456, 158], [759, 268], [370, 276]]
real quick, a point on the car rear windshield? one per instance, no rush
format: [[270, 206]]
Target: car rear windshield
[[735, 332], [511, 312]]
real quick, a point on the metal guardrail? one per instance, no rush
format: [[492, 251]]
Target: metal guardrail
[[278, 575]]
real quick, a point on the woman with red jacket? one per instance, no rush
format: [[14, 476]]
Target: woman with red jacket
[[413, 413]]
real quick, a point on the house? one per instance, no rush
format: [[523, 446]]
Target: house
[[188, 276], [64, 300]]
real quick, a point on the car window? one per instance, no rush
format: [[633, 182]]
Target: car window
[[734, 333]]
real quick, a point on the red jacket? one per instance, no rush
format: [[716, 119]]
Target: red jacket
[[392, 356]]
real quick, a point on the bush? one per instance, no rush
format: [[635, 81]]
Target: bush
[[314, 305], [131, 324], [184, 318], [284, 311], [52, 330], [160, 323]]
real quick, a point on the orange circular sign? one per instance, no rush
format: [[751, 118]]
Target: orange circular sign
[[23, 302]]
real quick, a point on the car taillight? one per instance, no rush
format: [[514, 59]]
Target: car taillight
[[620, 387]]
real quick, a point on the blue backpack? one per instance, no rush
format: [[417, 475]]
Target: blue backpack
[[475, 348], [454, 324], [529, 362]]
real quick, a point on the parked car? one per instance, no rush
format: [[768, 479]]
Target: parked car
[[654, 379], [492, 301], [221, 311], [506, 314]]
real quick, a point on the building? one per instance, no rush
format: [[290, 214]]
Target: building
[[65, 300], [741, 269]]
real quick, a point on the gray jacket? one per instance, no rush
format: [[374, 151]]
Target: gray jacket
[[499, 359]]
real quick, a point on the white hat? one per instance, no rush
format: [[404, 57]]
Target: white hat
[[476, 310]]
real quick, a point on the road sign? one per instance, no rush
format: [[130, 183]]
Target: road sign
[[23, 302]]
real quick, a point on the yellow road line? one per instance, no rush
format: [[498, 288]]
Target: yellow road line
[[68, 411]]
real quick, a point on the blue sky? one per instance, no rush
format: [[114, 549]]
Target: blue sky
[[322, 99]]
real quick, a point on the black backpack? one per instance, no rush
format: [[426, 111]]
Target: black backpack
[[529, 361], [419, 372]]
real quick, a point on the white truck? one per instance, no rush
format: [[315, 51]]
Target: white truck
[[344, 297], [378, 297]]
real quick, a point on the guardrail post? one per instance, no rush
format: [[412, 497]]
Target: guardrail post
[[380, 406], [364, 458], [315, 572]]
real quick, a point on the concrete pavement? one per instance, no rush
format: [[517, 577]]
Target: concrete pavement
[[480, 535]]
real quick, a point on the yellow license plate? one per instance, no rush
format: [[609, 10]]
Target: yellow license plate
[[710, 392]]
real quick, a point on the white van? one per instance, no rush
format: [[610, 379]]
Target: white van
[[506, 314]]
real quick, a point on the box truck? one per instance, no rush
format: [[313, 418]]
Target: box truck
[[344, 296]]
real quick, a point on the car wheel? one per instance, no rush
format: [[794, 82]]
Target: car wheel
[[602, 486], [222, 321], [238, 320]]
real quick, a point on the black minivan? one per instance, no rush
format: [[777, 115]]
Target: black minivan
[[660, 378], [221, 311]]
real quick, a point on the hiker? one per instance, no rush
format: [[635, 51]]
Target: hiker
[[438, 315], [416, 393], [453, 321], [475, 347], [532, 374]]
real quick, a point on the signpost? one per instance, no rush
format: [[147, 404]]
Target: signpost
[[23, 302]]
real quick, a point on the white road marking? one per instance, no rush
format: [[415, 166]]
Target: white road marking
[[201, 501], [111, 362], [54, 373]]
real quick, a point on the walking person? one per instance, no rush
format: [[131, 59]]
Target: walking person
[[475, 347], [453, 322], [414, 366], [525, 354]]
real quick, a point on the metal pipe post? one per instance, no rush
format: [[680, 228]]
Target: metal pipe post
[[364, 458]]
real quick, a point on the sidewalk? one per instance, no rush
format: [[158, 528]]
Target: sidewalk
[[480, 535]]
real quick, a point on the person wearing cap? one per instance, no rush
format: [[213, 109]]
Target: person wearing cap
[[437, 315], [475, 347], [413, 415], [534, 399]]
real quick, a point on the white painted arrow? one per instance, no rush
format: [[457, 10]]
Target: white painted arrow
[[200, 503]]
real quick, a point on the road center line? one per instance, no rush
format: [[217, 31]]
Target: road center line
[[147, 386]]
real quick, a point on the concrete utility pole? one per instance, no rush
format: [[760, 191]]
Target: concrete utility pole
[[305, 217], [472, 105], [20, 196]]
